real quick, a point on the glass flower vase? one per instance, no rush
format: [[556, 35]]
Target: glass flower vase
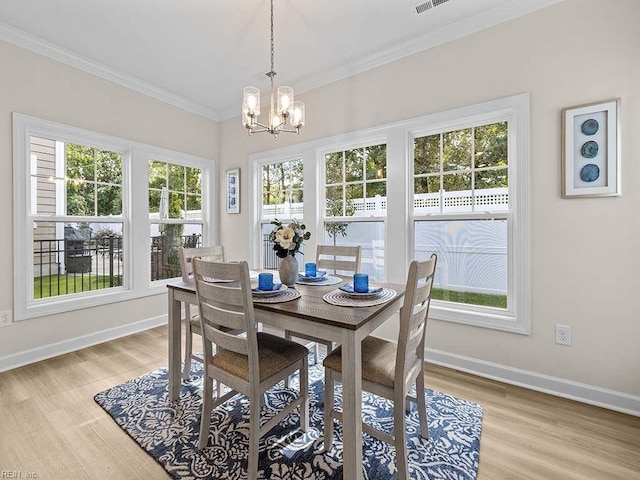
[[288, 270]]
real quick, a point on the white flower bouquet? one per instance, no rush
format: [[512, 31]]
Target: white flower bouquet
[[287, 240]]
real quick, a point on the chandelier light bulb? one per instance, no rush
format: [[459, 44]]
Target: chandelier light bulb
[[285, 99], [285, 102], [251, 99], [297, 119]]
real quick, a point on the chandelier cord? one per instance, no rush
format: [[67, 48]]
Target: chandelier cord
[[272, 49], [272, 74]]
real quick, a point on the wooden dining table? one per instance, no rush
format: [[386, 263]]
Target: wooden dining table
[[311, 315]]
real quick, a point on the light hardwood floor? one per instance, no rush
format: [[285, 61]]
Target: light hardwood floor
[[50, 425]]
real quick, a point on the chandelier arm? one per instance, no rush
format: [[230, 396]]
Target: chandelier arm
[[296, 130], [258, 124], [263, 128]]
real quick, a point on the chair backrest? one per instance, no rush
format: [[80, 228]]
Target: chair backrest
[[339, 257], [212, 254], [413, 318], [227, 306]]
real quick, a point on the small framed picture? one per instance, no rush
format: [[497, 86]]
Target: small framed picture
[[591, 150], [233, 190]]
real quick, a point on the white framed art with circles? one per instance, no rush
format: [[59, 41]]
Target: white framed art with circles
[[232, 184], [591, 157]]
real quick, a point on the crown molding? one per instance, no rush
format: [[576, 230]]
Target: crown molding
[[42, 47], [467, 26]]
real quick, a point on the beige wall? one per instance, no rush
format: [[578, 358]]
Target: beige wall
[[36, 86], [585, 252]]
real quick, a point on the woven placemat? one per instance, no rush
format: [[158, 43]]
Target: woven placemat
[[342, 299], [328, 280], [284, 296]]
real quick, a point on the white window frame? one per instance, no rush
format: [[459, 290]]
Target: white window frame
[[135, 215], [514, 110], [400, 220]]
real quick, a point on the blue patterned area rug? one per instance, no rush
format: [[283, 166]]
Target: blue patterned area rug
[[169, 432]]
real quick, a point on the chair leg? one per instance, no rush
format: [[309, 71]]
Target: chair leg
[[328, 409], [287, 381], [304, 394], [188, 348], [400, 435], [422, 406], [205, 418], [254, 438]]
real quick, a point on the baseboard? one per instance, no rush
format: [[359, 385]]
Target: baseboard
[[16, 360], [580, 392]]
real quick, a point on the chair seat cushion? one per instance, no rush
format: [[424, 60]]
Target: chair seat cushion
[[274, 355], [195, 324], [378, 361]]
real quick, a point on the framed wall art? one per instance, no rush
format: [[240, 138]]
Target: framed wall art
[[591, 150], [233, 190]]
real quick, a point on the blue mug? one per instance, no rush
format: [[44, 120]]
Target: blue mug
[[360, 283], [310, 269], [265, 281]]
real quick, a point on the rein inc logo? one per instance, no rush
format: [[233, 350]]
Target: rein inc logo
[[17, 474]]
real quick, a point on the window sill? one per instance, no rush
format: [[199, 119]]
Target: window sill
[[56, 305], [479, 317]]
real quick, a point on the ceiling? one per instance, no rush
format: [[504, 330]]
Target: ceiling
[[198, 54]]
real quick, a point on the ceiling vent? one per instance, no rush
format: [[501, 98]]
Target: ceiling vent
[[428, 5]]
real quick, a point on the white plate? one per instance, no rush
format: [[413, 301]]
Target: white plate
[[261, 293], [317, 278], [368, 294]]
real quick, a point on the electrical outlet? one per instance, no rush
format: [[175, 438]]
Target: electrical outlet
[[563, 334], [6, 318]]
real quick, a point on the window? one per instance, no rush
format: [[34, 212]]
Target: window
[[282, 198], [355, 191], [464, 173], [175, 209], [470, 206], [454, 182], [77, 222], [81, 230]]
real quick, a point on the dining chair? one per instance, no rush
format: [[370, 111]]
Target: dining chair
[[341, 258], [192, 323], [249, 364], [389, 369]]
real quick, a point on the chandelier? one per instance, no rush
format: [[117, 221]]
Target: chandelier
[[285, 115]]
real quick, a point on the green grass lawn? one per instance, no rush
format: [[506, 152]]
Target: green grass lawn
[[55, 285], [484, 299]]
